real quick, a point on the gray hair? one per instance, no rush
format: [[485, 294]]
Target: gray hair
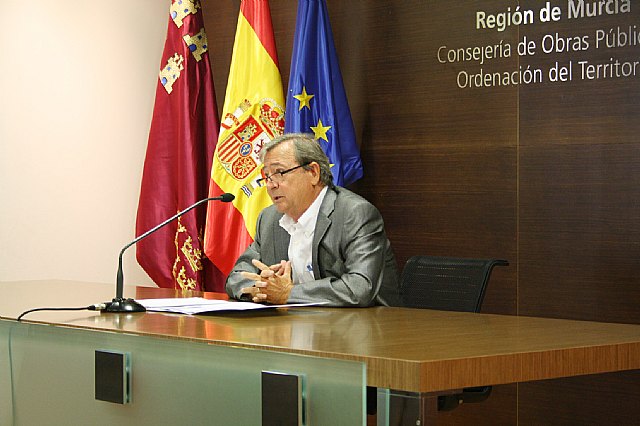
[[306, 150]]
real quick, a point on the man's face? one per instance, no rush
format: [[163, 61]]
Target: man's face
[[297, 189]]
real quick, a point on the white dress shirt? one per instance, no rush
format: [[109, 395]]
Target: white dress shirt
[[300, 244]]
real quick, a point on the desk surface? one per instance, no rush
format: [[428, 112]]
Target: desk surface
[[407, 349]]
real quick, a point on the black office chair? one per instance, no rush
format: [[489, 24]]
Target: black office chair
[[448, 284]]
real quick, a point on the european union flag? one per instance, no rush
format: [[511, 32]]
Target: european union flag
[[316, 100]]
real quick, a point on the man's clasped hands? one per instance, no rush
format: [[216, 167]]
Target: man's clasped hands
[[272, 285]]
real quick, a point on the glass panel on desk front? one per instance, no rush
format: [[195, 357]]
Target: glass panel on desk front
[[173, 381], [5, 375], [399, 408]]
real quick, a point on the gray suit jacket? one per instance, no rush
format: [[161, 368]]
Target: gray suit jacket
[[353, 262]]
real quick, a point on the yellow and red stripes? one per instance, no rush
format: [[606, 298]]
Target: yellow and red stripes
[[253, 77]]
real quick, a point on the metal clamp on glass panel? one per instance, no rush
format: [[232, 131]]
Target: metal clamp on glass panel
[[113, 376], [282, 399]]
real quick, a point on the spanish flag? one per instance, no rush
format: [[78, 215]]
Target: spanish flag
[[182, 138], [253, 114]]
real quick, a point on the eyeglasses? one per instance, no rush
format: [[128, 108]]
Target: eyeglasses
[[277, 177]]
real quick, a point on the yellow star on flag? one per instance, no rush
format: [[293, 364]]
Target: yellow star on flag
[[320, 131], [304, 98]]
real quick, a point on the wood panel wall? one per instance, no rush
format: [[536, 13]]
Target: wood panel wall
[[543, 174]]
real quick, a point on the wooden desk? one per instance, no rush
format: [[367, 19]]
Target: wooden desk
[[411, 350]]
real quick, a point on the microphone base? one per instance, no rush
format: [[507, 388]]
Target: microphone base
[[121, 305]]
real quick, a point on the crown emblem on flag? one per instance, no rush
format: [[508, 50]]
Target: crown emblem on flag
[[170, 73], [245, 132], [191, 255], [181, 8], [197, 44], [273, 116]]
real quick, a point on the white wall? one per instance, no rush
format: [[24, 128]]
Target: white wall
[[76, 96]]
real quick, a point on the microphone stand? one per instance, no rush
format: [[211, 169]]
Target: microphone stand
[[122, 305]]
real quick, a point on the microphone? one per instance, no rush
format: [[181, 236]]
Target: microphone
[[119, 304]]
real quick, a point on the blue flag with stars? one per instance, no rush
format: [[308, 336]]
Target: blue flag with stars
[[316, 101]]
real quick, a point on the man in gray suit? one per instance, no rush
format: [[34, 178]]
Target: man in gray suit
[[317, 242]]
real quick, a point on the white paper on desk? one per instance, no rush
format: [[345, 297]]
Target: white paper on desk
[[199, 305]]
